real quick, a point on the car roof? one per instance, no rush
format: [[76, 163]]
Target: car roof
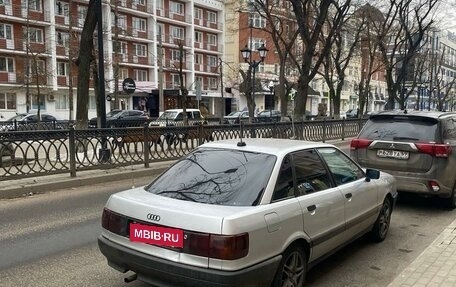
[[266, 145], [428, 114], [181, 110]]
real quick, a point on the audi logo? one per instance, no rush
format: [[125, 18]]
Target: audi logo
[[153, 217]]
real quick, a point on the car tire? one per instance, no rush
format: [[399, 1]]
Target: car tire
[[292, 268], [381, 225]]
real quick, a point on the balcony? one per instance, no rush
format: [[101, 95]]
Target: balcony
[[20, 11], [168, 14], [208, 24], [174, 65], [168, 39], [209, 46], [9, 78]]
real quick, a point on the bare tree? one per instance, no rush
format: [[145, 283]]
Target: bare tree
[[311, 17], [400, 37]]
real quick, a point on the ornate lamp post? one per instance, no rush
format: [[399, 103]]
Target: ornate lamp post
[[253, 64]]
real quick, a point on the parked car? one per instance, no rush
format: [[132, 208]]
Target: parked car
[[269, 116], [417, 147], [29, 121], [255, 212], [352, 113], [175, 117], [122, 118], [236, 117]]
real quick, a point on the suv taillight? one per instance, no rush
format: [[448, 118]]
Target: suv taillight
[[437, 150], [359, 143]]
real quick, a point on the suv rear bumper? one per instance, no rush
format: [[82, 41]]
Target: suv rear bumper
[[162, 272], [419, 183]]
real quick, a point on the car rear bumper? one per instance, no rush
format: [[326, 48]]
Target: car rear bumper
[[162, 272]]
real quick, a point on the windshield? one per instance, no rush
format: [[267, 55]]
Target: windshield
[[113, 113], [234, 114], [17, 117], [217, 176], [167, 115]]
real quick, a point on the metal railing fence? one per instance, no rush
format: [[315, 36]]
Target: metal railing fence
[[44, 152]]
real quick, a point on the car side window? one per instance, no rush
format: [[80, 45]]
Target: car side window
[[180, 117], [343, 169], [197, 115], [284, 186], [311, 173], [48, 118]]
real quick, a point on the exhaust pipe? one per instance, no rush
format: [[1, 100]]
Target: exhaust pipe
[[131, 278]]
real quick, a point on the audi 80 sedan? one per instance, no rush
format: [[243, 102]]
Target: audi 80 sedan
[[257, 212]]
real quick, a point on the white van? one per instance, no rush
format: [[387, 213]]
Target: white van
[[175, 117]]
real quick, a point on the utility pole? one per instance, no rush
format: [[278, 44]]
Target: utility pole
[[27, 63], [116, 55], [70, 64], [222, 114], [161, 98]]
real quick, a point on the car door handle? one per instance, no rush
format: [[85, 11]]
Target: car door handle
[[311, 207], [348, 195]]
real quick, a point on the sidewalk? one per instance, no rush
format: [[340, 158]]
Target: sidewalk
[[435, 267]]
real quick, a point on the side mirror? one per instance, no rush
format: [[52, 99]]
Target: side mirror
[[372, 174]]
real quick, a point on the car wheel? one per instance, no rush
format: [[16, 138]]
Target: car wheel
[[292, 269], [381, 225]]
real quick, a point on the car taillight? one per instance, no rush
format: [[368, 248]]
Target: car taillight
[[434, 185], [225, 247], [437, 150], [114, 222], [359, 143]]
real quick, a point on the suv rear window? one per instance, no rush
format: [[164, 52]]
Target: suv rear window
[[401, 128], [217, 176]]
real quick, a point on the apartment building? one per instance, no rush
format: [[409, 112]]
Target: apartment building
[[144, 41]]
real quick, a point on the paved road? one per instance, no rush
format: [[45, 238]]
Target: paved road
[[50, 240]]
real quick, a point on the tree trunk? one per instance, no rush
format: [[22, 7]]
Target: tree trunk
[[84, 60]]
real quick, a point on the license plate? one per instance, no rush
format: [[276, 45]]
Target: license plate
[[393, 154], [161, 236]]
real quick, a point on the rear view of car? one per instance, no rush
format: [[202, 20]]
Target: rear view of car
[[417, 147]]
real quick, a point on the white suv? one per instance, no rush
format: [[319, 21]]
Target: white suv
[[258, 212]]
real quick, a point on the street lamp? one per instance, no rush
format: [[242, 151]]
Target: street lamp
[[247, 55]]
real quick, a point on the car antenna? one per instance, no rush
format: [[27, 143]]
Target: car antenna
[[241, 143]]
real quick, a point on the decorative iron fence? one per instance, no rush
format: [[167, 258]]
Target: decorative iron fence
[[43, 152]]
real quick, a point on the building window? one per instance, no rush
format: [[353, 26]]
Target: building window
[[257, 21], [140, 50], [139, 2], [211, 61], [121, 21], [123, 73], [37, 67], [176, 7], [82, 12], [5, 31], [256, 43], [62, 69], [141, 76], [212, 39], [212, 83], [175, 80], [92, 102], [6, 64], [61, 102], [7, 101], [61, 8], [34, 5], [198, 13], [139, 24], [175, 55], [198, 37], [211, 17], [35, 35], [123, 48], [199, 79], [35, 100], [177, 33], [63, 39], [198, 58]]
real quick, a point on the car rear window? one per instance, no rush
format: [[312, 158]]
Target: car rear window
[[401, 128], [217, 176]]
